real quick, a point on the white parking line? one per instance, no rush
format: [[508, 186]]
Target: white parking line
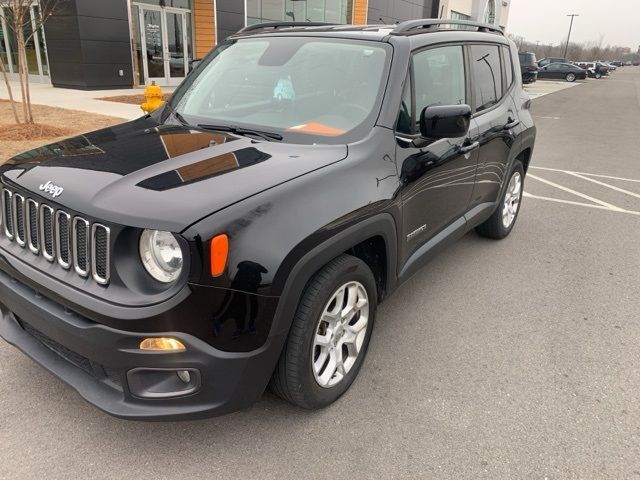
[[598, 182], [599, 204], [588, 174], [573, 192], [580, 204]]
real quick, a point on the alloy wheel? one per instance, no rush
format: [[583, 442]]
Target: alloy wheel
[[340, 334], [512, 200]]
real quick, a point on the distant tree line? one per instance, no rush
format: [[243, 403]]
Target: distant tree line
[[577, 52]]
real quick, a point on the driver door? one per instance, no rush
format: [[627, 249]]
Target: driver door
[[437, 180]]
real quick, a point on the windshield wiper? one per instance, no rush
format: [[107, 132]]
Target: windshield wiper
[[243, 131]]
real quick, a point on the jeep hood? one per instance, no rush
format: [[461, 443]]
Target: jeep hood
[[167, 177]]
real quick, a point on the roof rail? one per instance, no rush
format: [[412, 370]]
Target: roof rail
[[417, 27], [278, 25]]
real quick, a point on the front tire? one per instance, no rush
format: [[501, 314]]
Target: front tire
[[500, 224], [329, 336], [571, 77]]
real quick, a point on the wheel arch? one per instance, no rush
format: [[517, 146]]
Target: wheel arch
[[363, 240]]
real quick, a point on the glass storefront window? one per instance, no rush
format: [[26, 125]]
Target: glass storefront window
[[331, 11], [36, 50], [32, 55], [3, 46], [41, 43], [163, 41], [186, 4]]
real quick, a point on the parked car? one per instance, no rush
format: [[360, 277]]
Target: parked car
[[618, 63], [173, 266], [549, 60], [636, 64], [528, 67], [597, 70], [565, 71]]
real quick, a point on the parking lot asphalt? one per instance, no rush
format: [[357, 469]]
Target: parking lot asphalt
[[511, 359]]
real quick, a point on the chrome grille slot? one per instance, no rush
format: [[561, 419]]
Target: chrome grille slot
[[7, 215], [80, 237], [100, 239], [47, 232], [63, 238], [18, 219], [33, 235]]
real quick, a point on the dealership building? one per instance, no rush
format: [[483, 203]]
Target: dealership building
[[100, 44]]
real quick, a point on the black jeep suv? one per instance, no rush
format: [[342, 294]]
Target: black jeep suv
[[174, 266]]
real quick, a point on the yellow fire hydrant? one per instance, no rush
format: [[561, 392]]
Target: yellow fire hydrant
[[155, 98]]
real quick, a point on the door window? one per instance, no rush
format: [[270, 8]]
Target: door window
[[487, 76], [439, 78], [508, 66]]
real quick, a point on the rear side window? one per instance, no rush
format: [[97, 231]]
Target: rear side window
[[487, 75], [508, 67], [439, 78]]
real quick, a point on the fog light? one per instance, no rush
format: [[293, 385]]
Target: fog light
[[163, 382], [184, 375], [162, 344]]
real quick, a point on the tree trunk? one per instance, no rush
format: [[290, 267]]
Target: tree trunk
[[24, 76], [10, 91]]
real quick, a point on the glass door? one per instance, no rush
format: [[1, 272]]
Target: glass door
[[176, 41], [153, 46], [164, 44]]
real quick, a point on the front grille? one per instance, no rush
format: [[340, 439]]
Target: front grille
[[46, 232], [7, 216], [63, 239], [33, 236], [100, 253], [81, 246], [18, 219], [100, 372], [58, 236]]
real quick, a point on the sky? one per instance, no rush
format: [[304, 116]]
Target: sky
[[617, 21]]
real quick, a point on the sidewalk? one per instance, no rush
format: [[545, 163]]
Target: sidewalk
[[84, 100]]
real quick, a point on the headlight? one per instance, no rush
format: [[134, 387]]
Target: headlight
[[161, 255]]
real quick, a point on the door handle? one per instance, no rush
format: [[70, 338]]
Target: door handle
[[511, 124], [470, 147]]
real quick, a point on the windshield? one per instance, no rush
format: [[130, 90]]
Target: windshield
[[307, 90]]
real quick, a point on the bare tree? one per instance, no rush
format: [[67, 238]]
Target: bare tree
[[18, 19], [578, 52], [9, 90]]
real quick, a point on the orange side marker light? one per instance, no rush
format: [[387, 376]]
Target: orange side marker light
[[219, 254]]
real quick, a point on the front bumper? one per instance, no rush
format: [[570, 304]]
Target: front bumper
[[94, 359]]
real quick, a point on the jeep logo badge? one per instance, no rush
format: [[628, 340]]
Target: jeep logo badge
[[51, 189]]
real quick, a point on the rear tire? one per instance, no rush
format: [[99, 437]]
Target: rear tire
[[325, 332], [500, 224], [571, 77], [598, 76]]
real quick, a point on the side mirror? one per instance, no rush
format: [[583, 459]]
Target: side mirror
[[445, 121]]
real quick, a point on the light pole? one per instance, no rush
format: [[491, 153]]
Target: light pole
[[566, 48]]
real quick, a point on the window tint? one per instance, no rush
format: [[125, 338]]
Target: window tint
[[439, 78], [508, 66], [487, 78]]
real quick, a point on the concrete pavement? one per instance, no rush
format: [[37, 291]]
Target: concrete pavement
[[84, 100], [511, 359]]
